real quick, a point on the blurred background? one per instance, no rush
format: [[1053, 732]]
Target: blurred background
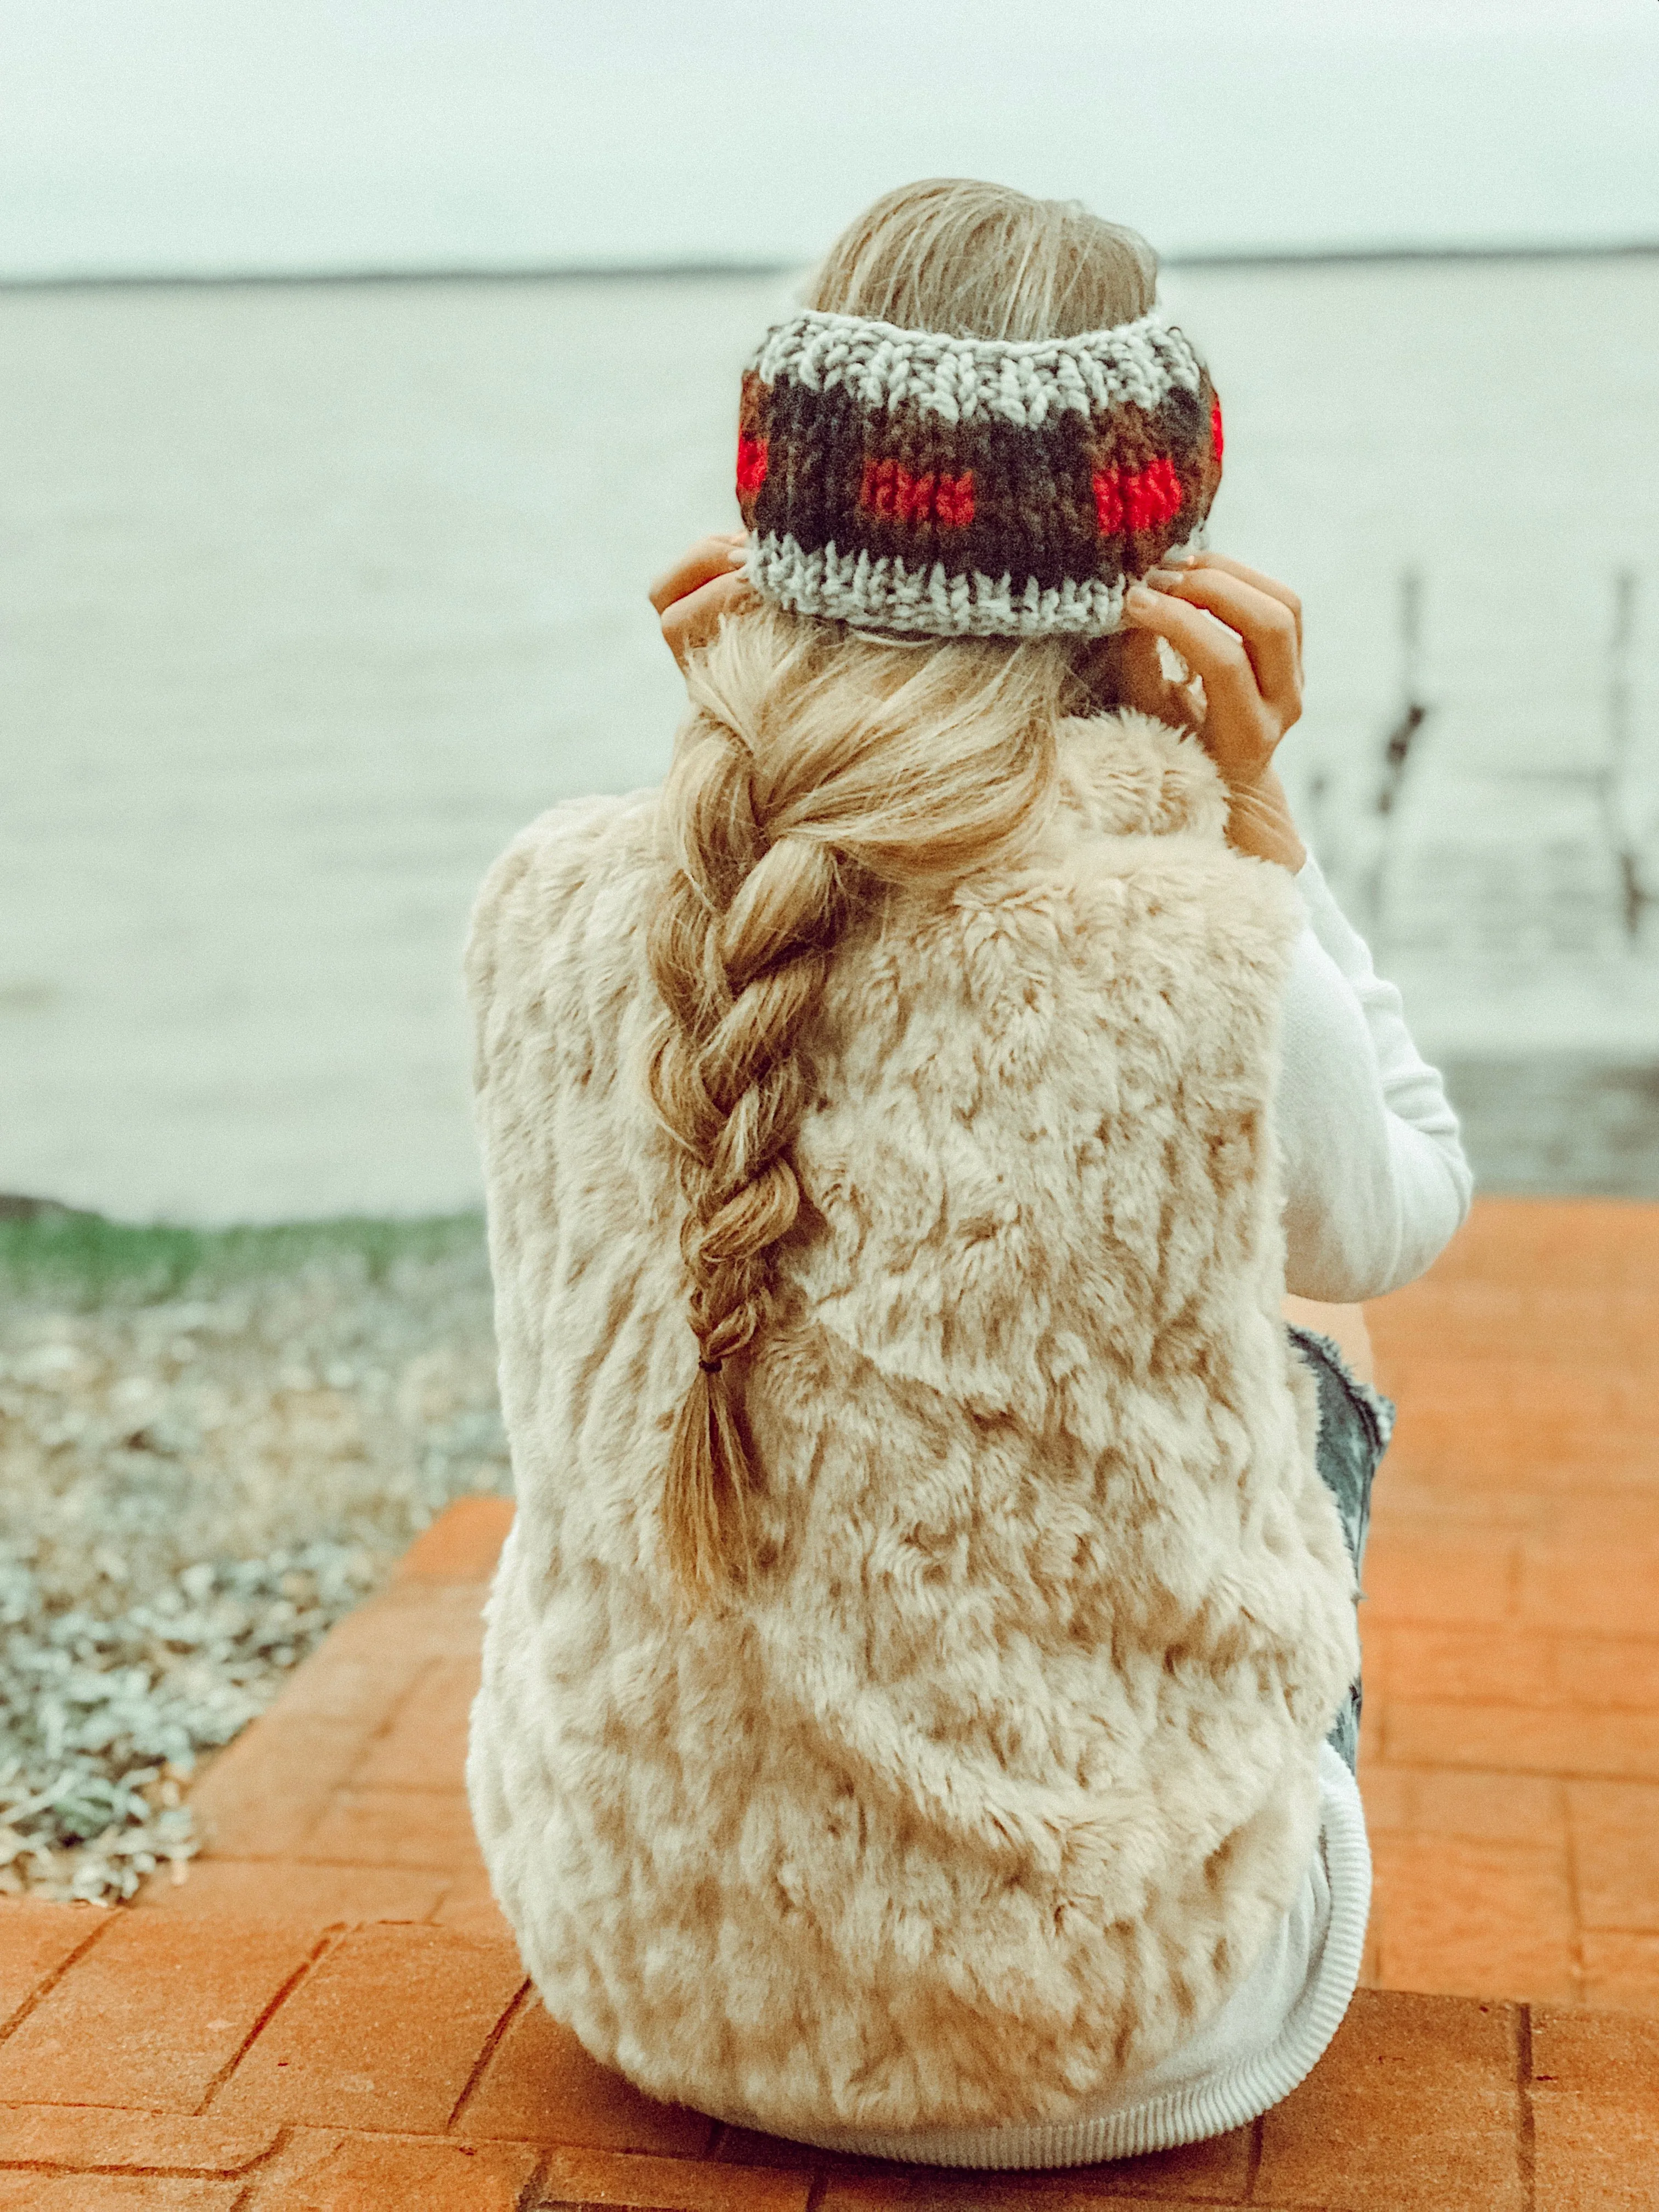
[[360, 363]]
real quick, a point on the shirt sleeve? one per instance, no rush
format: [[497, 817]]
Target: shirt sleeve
[[1375, 1180]]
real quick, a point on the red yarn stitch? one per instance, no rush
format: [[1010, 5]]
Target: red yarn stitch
[[1109, 501], [890, 490], [1153, 494], [751, 467], [1215, 431], [1138, 499], [953, 502]]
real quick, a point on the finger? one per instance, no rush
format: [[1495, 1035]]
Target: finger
[[1263, 623], [1142, 683], [691, 621], [716, 554], [1270, 584], [1210, 648]]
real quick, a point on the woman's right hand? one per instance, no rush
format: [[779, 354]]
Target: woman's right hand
[[1241, 633], [704, 586]]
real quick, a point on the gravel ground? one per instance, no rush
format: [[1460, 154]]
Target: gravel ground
[[211, 1447]]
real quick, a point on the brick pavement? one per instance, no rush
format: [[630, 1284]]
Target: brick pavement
[[226, 2062], [328, 2013], [1510, 1754]]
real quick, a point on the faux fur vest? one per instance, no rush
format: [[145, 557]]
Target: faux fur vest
[[992, 1787]]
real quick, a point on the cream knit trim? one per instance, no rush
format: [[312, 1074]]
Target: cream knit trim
[[1018, 382], [853, 587]]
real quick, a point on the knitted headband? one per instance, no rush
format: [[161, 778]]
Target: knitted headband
[[974, 487]]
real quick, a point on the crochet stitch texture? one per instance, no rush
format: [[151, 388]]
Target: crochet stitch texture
[[993, 1782], [913, 482]]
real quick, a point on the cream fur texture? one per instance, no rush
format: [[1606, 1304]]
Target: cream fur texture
[[992, 1785]]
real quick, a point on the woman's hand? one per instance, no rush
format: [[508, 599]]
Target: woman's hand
[[1242, 633], [702, 587]]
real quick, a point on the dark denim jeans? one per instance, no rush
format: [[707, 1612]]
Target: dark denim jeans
[[1355, 1423]]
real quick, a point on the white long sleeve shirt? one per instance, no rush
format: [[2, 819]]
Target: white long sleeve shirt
[[1376, 1185], [1376, 1181]]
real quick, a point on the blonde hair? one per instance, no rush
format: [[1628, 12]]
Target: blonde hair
[[816, 766]]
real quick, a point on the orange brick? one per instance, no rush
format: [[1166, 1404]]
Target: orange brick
[[1592, 2054], [1412, 1578], [151, 2014], [415, 1619], [1626, 1520], [1427, 2153], [314, 1897], [402, 1629], [1591, 2154], [425, 1748], [1475, 1920], [1433, 1511], [462, 1544], [469, 1903], [1543, 1239], [1585, 1243], [541, 2087], [1575, 1451], [1411, 2040], [1620, 1672], [1567, 1740], [1615, 1831], [358, 1676], [117, 2192], [1501, 1665], [37, 1941], [1610, 1589], [422, 1828], [1370, 1969], [261, 1797], [667, 2184], [1483, 1808], [1621, 1972], [1371, 1733], [1574, 1326], [1387, 1794], [359, 2174], [383, 2033], [1414, 2105], [1075, 2189], [734, 2146], [74, 2137]]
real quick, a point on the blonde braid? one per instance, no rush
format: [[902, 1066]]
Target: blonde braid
[[814, 767], [740, 948]]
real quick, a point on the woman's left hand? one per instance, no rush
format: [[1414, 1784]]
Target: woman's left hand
[[1240, 632]]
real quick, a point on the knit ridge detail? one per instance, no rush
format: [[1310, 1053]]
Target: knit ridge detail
[[971, 487]]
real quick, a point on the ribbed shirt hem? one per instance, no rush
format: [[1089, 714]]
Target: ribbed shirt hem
[[1225, 2096]]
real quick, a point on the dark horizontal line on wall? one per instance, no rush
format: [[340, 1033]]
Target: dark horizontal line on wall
[[1241, 258]]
